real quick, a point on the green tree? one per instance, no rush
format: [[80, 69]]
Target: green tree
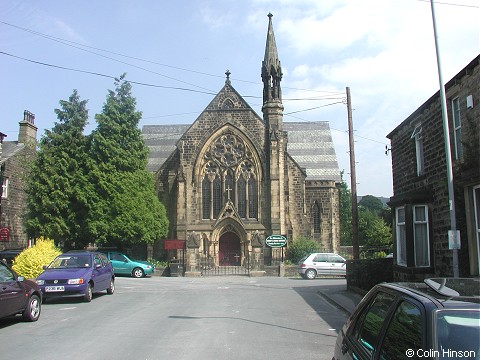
[[301, 247], [126, 208], [372, 203], [345, 198], [57, 186], [372, 229]]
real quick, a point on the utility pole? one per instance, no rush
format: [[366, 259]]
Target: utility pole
[[453, 234], [353, 181]]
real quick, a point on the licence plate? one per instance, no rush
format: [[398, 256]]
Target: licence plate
[[54, 288]]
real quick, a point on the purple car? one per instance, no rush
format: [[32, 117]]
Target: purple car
[[77, 273], [18, 295]]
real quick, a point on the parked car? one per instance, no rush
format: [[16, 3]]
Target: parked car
[[322, 264], [437, 319], [18, 295], [77, 273], [125, 265], [8, 255]]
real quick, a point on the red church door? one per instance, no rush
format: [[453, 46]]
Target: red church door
[[229, 252]]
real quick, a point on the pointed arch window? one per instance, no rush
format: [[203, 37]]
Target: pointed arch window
[[206, 197], [316, 218], [252, 198], [242, 198], [217, 196], [227, 104], [229, 173]]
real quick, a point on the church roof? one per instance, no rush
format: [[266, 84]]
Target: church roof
[[161, 141], [309, 144]]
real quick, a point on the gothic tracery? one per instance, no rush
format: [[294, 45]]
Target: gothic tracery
[[229, 170]]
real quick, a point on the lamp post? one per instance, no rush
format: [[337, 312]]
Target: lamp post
[[2, 169], [453, 234]]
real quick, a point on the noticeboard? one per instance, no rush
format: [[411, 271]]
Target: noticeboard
[[276, 241], [173, 244], [4, 234]]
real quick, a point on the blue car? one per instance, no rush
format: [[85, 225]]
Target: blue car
[[77, 273], [124, 265]]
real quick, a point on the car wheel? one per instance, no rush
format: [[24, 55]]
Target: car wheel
[[88, 293], [310, 274], [111, 288], [138, 273], [33, 309]]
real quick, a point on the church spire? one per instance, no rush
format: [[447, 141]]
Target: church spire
[[271, 69]]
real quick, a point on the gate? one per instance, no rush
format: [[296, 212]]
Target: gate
[[229, 263]]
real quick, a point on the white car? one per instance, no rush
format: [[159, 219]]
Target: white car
[[322, 264]]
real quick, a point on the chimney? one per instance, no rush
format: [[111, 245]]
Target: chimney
[[28, 131], [2, 136]]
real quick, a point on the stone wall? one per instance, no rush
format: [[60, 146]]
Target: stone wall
[[365, 274], [430, 188], [14, 206]]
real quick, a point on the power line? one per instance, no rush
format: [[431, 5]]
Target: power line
[[106, 76], [161, 86], [82, 48], [451, 4]]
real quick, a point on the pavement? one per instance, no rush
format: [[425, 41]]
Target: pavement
[[342, 298]]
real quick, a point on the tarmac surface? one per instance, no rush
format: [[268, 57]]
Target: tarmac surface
[[344, 299]]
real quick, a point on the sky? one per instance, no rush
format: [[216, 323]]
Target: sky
[[176, 54]]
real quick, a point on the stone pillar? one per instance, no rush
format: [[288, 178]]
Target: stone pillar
[[192, 257], [256, 259]]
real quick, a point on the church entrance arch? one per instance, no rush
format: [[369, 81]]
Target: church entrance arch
[[231, 255], [229, 250]]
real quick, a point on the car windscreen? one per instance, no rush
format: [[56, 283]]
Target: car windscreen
[[457, 332], [71, 261]]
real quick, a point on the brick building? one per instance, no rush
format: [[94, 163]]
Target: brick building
[[14, 159], [420, 201], [231, 179]]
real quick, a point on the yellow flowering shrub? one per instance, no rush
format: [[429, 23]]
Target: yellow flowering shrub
[[29, 263]]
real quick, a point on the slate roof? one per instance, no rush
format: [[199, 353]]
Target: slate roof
[[309, 144], [9, 149]]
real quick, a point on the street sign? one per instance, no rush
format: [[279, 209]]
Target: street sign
[[276, 241]]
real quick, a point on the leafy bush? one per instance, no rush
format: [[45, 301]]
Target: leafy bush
[[29, 263], [158, 263], [301, 247]]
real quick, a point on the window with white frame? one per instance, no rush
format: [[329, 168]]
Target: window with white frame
[[401, 236], [420, 236], [417, 135], [457, 126], [4, 187]]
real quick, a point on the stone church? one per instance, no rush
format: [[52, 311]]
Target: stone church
[[232, 179]]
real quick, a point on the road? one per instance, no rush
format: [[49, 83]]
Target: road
[[183, 318]]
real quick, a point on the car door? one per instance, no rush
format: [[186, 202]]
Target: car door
[[120, 263], [12, 298], [102, 273], [320, 264], [362, 339], [337, 265]]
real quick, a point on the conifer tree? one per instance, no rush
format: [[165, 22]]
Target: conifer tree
[[57, 185], [126, 208]]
